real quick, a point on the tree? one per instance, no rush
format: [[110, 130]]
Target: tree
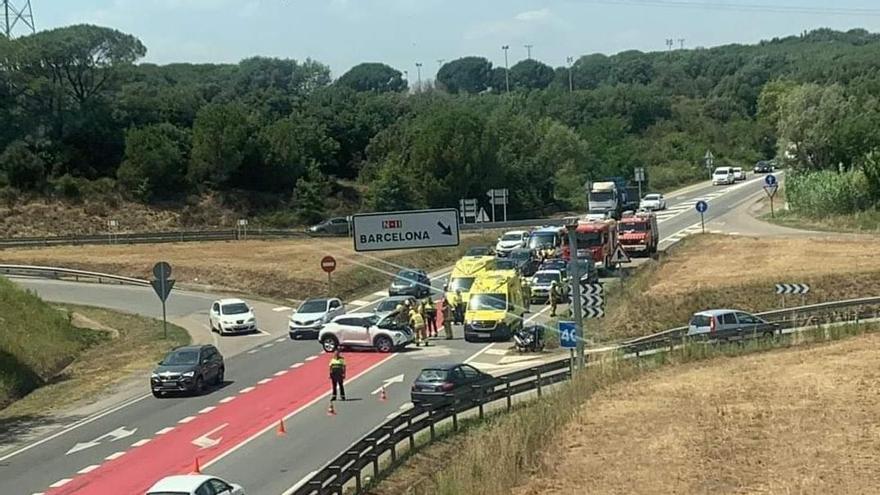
[[375, 77], [23, 168], [290, 145], [811, 118], [393, 189], [220, 139], [590, 71], [310, 193], [531, 74], [465, 75], [155, 164]]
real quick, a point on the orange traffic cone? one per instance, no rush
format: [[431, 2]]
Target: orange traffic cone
[[196, 468], [331, 411], [382, 395], [281, 429]]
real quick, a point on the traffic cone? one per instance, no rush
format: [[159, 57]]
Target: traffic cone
[[382, 395], [196, 468], [331, 411], [281, 429]]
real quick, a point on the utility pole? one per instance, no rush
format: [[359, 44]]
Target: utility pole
[[419, 69], [670, 43], [440, 64], [570, 61], [506, 68], [571, 225], [529, 50], [13, 15], [681, 43]]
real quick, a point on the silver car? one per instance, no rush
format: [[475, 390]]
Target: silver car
[[389, 304], [727, 323]]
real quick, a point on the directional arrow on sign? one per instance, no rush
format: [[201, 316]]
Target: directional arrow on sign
[[445, 229], [792, 288], [594, 312], [117, 434], [205, 441], [592, 301], [388, 382], [591, 289]]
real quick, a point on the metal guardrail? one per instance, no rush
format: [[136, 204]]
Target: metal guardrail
[[59, 273]]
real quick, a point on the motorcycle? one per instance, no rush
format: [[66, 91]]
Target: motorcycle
[[530, 339]]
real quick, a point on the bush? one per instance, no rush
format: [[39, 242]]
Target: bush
[[23, 168], [674, 174], [68, 187], [816, 194]]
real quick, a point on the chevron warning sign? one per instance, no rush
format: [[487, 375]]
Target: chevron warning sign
[[591, 289], [591, 301], [786, 289], [594, 313]]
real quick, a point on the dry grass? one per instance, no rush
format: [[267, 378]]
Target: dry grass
[[717, 271], [284, 268], [793, 421]]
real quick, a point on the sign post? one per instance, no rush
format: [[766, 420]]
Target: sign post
[[771, 185], [405, 230], [710, 161], [328, 264], [467, 208], [112, 235], [640, 177], [577, 313], [568, 339], [242, 229], [162, 285], [796, 289], [702, 207], [498, 197]]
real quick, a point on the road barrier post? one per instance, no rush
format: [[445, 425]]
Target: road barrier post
[[538, 374], [507, 393], [412, 439], [431, 422]]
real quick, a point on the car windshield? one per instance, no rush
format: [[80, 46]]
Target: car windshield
[[388, 323], [432, 376], [313, 306], [589, 239], [490, 302], [601, 196], [521, 255], [512, 237], [477, 251], [181, 358], [634, 227], [700, 321], [506, 265], [388, 305], [546, 277], [461, 283], [406, 278], [542, 240], [234, 309], [652, 197]]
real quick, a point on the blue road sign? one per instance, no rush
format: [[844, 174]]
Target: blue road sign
[[702, 206], [567, 335], [770, 180]]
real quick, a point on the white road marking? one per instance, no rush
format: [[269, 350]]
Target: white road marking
[[279, 373], [41, 493], [379, 293], [141, 442], [295, 365], [281, 308], [187, 419], [392, 416], [164, 430], [264, 381], [227, 399], [245, 390], [484, 349], [115, 455], [361, 303], [406, 406], [205, 441], [88, 469], [60, 483], [253, 351], [299, 483], [207, 409], [310, 358], [270, 344], [282, 339], [496, 352]]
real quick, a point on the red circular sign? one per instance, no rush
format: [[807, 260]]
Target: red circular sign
[[328, 264]]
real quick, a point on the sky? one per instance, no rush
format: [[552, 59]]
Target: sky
[[342, 33]]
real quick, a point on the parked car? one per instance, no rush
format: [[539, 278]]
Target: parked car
[[194, 484], [540, 285], [763, 167], [441, 383], [723, 176], [526, 260], [555, 264], [389, 304], [188, 369], [332, 226], [313, 314], [588, 270], [411, 283], [479, 251], [653, 201], [232, 316], [728, 323], [510, 241], [364, 331], [739, 174]]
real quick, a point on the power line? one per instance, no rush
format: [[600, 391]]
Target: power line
[[743, 7], [15, 16]]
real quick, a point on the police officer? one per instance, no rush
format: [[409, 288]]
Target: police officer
[[526, 290], [418, 325], [447, 318], [431, 317], [555, 296], [337, 374], [459, 307]]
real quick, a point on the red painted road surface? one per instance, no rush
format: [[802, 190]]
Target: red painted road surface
[[251, 412]]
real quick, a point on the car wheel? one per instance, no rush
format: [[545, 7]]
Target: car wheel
[[211, 324], [329, 343], [221, 377], [383, 344], [200, 386], [157, 394]]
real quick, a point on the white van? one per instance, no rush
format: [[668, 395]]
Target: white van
[[723, 176]]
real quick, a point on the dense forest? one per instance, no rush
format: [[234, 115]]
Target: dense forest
[[81, 116]]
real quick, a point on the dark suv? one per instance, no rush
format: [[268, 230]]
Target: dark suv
[[411, 283], [188, 369]]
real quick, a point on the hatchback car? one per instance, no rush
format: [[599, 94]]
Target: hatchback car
[[723, 176], [442, 383], [510, 241], [540, 285], [654, 202], [311, 315], [763, 167], [413, 283], [728, 323], [389, 304], [232, 316], [194, 484], [188, 369], [739, 174]]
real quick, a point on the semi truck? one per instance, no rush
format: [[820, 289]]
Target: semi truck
[[610, 197]]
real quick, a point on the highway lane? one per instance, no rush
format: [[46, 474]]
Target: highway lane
[[313, 438]]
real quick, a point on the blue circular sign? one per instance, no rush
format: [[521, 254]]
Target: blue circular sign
[[702, 206], [770, 180]]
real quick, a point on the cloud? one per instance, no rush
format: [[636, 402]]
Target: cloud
[[520, 25], [534, 15]]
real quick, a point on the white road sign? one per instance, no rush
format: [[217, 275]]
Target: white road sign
[[405, 230]]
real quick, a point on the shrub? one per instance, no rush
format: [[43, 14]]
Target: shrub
[[674, 174], [815, 194], [68, 187]]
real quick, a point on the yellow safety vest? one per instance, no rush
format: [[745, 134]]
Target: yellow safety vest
[[417, 319], [337, 364]]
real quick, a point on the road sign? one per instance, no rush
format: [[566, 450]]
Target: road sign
[[592, 301], [328, 264], [162, 287], [591, 289], [482, 217], [497, 197], [467, 208], [619, 256], [640, 174], [242, 222], [702, 206], [567, 335], [162, 270], [792, 289], [405, 230], [709, 159], [770, 180], [598, 312]]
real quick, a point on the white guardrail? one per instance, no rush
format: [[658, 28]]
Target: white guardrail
[[68, 273]]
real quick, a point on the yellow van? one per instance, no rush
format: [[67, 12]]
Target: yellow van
[[495, 308], [465, 273]]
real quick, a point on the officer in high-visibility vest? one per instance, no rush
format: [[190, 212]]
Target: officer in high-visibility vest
[[430, 317], [418, 326], [526, 290], [458, 304], [555, 297], [447, 318], [337, 374]]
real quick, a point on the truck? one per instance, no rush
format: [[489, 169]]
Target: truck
[[596, 239], [639, 233], [610, 197]]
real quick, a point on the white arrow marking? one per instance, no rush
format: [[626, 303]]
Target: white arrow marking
[[205, 441], [117, 434], [388, 382]]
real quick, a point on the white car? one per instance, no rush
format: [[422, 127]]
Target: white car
[[653, 201], [194, 484], [365, 331], [738, 174], [313, 314], [723, 176], [232, 316], [511, 240]]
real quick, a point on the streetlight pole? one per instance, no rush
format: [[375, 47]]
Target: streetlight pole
[[571, 225], [570, 61], [529, 51], [419, 69], [506, 68]]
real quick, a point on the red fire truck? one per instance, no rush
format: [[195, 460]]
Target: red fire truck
[[596, 239], [639, 233]]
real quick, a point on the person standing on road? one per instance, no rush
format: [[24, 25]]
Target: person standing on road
[[555, 296], [418, 325], [459, 307], [337, 374], [447, 318], [431, 317]]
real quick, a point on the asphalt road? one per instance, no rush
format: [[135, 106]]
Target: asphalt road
[[233, 429]]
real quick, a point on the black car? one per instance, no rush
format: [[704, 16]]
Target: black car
[[445, 382], [411, 283], [528, 264], [188, 369], [333, 226], [479, 251], [763, 167]]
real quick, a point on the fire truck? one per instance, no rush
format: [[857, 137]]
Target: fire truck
[[639, 233], [596, 239]]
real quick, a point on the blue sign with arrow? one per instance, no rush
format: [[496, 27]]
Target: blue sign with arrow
[[702, 206], [567, 335], [770, 180]]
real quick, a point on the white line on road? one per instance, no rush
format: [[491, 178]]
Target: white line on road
[[295, 365], [360, 302], [282, 372], [299, 483], [392, 416], [264, 381], [60, 483], [281, 308], [164, 430], [141, 442], [379, 293], [496, 352], [253, 351], [207, 409], [115, 455], [187, 419], [310, 358], [484, 349], [266, 346], [227, 399], [88, 469], [245, 390], [282, 339], [406, 406]]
